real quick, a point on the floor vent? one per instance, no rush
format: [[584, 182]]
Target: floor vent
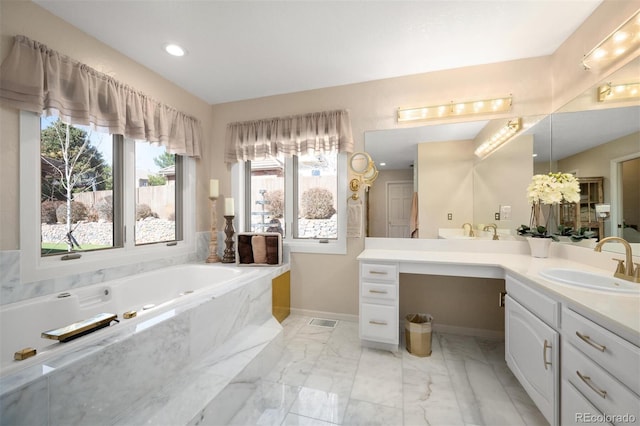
[[321, 322]]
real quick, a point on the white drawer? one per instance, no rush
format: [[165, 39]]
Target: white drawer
[[542, 306], [379, 291], [607, 394], [577, 410], [379, 272], [614, 354], [379, 323]]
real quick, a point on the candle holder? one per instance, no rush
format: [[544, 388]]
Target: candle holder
[[229, 251], [213, 242]]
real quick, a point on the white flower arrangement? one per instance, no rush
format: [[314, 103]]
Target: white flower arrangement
[[549, 189], [553, 188]]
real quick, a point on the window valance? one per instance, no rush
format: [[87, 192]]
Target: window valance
[[287, 136], [38, 79]]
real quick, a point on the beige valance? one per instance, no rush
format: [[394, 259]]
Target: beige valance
[[38, 79], [314, 133]]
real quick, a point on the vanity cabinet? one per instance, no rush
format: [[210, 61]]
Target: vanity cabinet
[[602, 367], [379, 304], [573, 368], [531, 347]]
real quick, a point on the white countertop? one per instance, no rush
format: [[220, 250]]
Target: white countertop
[[617, 312]]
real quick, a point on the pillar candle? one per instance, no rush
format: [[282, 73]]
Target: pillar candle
[[228, 207], [213, 188]]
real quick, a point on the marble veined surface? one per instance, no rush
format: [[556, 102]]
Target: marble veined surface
[[128, 374], [325, 378]]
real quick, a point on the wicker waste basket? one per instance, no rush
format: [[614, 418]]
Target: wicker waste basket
[[417, 330]]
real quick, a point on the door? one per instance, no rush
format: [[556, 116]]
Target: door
[[399, 198], [531, 351]]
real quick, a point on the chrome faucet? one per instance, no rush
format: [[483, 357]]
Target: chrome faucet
[[626, 271], [495, 230], [464, 230]]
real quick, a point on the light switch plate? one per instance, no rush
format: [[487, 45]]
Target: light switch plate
[[505, 212]]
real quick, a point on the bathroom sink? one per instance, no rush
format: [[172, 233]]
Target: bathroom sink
[[590, 280]]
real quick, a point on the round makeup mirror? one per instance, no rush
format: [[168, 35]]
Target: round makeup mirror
[[360, 163]]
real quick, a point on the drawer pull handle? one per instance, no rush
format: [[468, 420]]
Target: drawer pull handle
[[378, 291], [588, 382], [378, 272], [590, 342], [544, 353], [377, 322]]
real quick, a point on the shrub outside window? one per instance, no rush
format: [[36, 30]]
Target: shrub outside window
[[317, 178]]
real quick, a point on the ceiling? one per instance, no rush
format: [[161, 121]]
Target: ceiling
[[247, 49]]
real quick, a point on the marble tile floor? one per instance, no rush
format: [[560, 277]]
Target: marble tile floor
[[325, 378]]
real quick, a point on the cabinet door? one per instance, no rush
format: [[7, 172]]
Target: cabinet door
[[379, 323], [531, 351]]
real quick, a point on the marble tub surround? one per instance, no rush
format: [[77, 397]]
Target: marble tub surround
[[493, 259], [13, 290], [325, 378], [230, 333]]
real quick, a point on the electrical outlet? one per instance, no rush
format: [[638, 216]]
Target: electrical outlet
[[449, 216], [497, 216]]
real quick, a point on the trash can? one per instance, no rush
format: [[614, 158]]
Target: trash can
[[417, 329]]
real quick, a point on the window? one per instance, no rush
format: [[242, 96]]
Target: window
[[317, 185], [76, 189], [266, 196], [108, 199], [300, 197], [157, 174]]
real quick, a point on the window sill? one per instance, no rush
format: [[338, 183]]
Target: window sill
[[315, 246], [37, 269]]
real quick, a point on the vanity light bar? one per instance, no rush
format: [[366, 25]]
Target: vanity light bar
[[500, 138], [622, 42], [618, 92], [455, 109]]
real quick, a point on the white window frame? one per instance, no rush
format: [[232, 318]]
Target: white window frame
[[35, 267], [298, 245]]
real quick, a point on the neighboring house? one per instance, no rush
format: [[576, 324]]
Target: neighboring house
[[142, 178], [168, 172]]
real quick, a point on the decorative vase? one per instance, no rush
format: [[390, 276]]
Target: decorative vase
[[539, 246]]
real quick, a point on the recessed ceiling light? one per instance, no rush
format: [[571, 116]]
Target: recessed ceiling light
[[383, 164], [174, 50]]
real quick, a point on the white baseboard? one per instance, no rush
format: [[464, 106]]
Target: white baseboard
[[438, 328], [466, 331], [322, 314]]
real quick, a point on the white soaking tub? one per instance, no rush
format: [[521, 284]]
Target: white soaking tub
[[184, 314]]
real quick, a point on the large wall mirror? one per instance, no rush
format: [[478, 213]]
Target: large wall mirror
[[586, 137]]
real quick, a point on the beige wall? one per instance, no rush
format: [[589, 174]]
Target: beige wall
[[597, 161], [453, 301], [319, 282], [445, 179], [501, 180], [378, 199]]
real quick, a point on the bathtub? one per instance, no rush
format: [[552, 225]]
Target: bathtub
[[185, 315]]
